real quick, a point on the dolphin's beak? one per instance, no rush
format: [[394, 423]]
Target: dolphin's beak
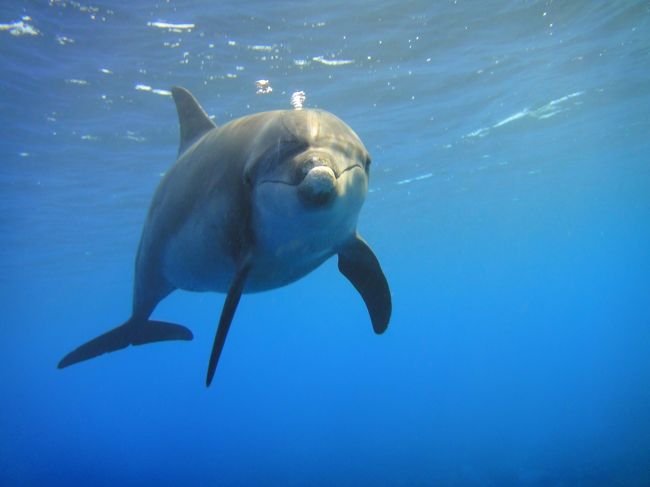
[[318, 187]]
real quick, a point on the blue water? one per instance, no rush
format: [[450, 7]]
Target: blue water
[[509, 207]]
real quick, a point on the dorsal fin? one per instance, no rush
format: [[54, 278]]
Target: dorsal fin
[[192, 118]]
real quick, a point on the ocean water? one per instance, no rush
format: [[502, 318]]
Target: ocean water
[[509, 206]]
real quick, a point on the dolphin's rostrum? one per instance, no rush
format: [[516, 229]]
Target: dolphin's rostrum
[[249, 206]]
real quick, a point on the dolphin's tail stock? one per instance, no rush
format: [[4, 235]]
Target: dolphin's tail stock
[[130, 333]]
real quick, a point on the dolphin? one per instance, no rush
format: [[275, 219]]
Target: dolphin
[[249, 206]]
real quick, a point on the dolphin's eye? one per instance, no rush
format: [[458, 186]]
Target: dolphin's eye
[[248, 180], [368, 161]]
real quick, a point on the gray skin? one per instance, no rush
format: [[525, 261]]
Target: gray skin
[[249, 206]]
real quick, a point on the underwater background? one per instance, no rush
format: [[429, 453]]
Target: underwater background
[[509, 206]]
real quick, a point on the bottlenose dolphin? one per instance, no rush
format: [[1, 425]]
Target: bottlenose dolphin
[[249, 206]]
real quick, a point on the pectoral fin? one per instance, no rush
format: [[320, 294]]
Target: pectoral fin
[[227, 313], [358, 263]]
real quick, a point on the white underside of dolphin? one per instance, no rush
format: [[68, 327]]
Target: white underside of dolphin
[[249, 206]]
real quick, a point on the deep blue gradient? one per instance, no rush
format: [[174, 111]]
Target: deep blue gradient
[[509, 206]]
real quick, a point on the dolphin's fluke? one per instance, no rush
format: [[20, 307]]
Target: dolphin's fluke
[[358, 263], [130, 333]]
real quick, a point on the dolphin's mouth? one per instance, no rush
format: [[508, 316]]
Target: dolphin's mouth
[[294, 182], [349, 169], [315, 184]]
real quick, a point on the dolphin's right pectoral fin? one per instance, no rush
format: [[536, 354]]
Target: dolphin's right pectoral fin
[[227, 314], [358, 263], [130, 333]]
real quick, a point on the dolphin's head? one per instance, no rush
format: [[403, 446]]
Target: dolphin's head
[[310, 169]]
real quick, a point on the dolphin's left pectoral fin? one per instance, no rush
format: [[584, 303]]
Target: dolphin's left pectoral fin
[[358, 263], [227, 313]]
